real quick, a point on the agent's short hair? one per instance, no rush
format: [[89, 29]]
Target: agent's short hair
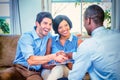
[[42, 15], [96, 13], [58, 19]]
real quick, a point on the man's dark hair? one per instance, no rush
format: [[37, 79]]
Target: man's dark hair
[[96, 13], [42, 15], [58, 19]]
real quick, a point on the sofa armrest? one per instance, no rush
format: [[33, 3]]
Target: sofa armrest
[[8, 44]]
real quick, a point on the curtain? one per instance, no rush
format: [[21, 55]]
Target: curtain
[[46, 5], [115, 15], [15, 17]]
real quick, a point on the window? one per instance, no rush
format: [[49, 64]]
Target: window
[[4, 16], [74, 9], [10, 17]]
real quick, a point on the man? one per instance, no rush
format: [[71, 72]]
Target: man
[[30, 52], [100, 54]]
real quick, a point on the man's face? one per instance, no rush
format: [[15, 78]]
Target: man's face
[[44, 27]]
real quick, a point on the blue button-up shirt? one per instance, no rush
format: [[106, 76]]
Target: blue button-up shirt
[[99, 56], [70, 45], [30, 44]]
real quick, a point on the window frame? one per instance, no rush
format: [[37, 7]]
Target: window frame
[[7, 17]]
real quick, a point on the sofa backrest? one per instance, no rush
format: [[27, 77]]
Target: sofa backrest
[[8, 44]]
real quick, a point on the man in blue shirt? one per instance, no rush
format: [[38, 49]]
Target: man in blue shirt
[[100, 54], [31, 49]]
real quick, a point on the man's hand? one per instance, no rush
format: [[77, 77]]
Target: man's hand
[[61, 57]]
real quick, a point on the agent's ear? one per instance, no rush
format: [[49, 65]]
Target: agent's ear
[[89, 20]]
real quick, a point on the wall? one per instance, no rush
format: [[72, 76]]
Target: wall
[[28, 12]]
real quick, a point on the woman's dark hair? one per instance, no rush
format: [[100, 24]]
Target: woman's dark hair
[[96, 13], [58, 19], [42, 15]]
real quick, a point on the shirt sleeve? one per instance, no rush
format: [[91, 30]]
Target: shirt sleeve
[[82, 61], [26, 46]]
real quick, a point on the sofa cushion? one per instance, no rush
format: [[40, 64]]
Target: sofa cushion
[[8, 44]]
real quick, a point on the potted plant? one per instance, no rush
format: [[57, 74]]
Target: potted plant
[[4, 26]]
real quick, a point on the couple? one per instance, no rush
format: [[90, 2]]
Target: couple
[[99, 55], [35, 47]]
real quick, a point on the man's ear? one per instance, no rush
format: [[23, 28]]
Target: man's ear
[[89, 20], [37, 23]]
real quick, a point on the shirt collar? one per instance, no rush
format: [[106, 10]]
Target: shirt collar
[[34, 34], [97, 30], [70, 38]]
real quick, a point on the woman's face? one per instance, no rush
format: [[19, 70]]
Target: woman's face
[[64, 28]]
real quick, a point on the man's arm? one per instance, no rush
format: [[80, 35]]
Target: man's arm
[[35, 60]]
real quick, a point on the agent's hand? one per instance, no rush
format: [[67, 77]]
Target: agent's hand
[[69, 65]]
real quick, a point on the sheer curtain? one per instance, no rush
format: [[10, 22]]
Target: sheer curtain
[[116, 15], [46, 5], [15, 17]]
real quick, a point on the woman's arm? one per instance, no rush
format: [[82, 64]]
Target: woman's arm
[[48, 51], [69, 65]]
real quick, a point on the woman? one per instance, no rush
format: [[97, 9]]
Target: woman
[[64, 41]]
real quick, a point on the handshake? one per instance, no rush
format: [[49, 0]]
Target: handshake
[[61, 58]]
